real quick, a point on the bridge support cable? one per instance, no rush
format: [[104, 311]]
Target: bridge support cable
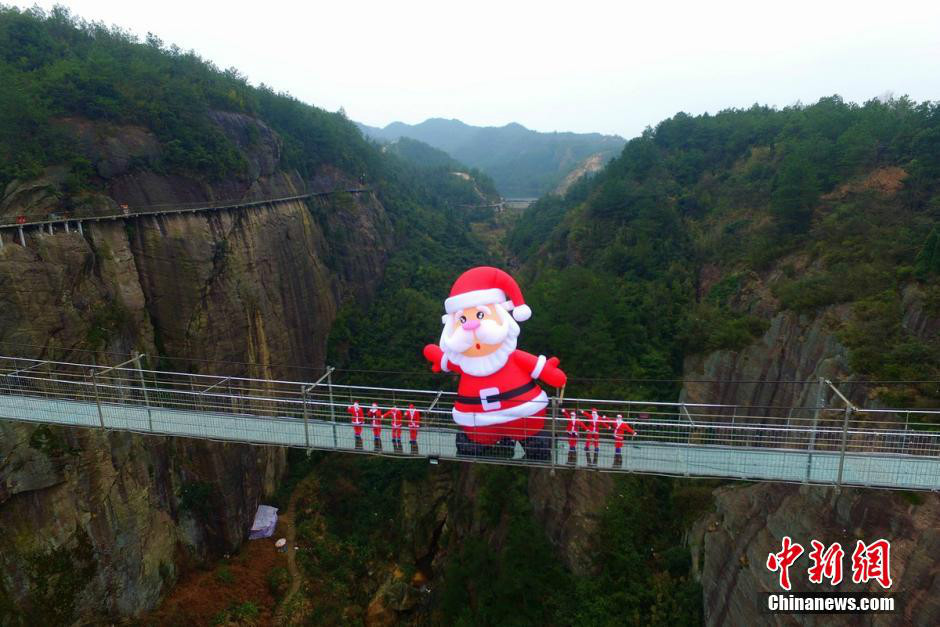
[[850, 408], [143, 388], [820, 406], [306, 391]]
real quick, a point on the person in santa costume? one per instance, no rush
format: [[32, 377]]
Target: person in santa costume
[[357, 420], [621, 428], [375, 415], [395, 414], [572, 429], [414, 423], [592, 428], [498, 400]]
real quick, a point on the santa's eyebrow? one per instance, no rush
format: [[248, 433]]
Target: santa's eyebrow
[[485, 308]]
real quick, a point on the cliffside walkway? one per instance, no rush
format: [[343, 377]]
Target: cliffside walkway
[[838, 444], [67, 223]]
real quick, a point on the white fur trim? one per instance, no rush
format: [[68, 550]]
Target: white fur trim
[[539, 365], [522, 313], [444, 362], [483, 419], [471, 299]]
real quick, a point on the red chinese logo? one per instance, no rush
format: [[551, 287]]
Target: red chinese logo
[[869, 561], [826, 564], [783, 560], [872, 561]]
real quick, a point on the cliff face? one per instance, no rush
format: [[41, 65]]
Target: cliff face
[[99, 524], [731, 544]]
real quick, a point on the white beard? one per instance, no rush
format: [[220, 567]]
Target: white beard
[[487, 364]]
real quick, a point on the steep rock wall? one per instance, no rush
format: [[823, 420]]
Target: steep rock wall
[[100, 524], [731, 544]]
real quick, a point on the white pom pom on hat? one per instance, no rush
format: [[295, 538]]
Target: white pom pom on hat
[[522, 313]]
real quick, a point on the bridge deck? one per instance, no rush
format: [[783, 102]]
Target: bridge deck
[[665, 458]]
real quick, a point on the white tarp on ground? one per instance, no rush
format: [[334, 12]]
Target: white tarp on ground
[[265, 521]]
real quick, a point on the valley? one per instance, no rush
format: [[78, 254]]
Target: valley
[[729, 258]]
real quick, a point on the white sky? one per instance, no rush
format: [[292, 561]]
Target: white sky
[[612, 67]]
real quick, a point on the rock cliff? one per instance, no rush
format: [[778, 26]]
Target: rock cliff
[[98, 525], [731, 544]]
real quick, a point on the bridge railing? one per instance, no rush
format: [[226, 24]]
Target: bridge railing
[[113, 390]]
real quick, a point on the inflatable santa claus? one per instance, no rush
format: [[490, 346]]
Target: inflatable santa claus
[[498, 400]]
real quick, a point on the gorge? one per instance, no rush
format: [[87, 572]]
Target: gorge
[[715, 259]]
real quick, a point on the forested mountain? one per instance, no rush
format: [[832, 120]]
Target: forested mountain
[[681, 257], [694, 246], [522, 163], [463, 186], [705, 226]]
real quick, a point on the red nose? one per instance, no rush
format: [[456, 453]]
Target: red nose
[[470, 325]]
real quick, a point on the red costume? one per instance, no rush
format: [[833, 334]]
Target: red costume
[[592, 428], [497, 397], [620, 429], [395, 415], [507, 403], [375, 414], [357, 420], [572, 429], [414, 423]]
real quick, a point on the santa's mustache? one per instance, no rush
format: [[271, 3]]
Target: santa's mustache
[[489, 332]]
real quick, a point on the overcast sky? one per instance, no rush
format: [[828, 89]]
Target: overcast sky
[[612, 67]]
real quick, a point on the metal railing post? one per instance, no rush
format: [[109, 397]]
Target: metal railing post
[[845, 439], [820, 399], [556, 403], [306, 421], [143, 388], [329, 386], [94, 383]]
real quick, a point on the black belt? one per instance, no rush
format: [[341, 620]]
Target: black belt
[[502, 396]]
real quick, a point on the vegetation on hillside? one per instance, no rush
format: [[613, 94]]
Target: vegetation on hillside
[[824, 204], [522, 162]]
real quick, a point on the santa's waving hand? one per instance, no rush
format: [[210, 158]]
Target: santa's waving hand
[[498, 399]]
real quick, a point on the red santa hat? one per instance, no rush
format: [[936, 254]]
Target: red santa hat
[[485, 285]]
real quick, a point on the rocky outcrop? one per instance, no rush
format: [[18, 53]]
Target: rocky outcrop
[[567, 505], [730, 546], [98, 525]]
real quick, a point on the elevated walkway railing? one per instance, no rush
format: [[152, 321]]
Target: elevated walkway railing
[[836, 445]]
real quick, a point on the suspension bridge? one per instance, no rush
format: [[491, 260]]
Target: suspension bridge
[[68, 223], [836, 444]]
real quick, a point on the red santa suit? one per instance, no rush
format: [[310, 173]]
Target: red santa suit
[[395, 415], [414, 423], [356, 418], [505, 400], [572, 429], [508, 403], [375, 414], [620, 429], [592, 426]]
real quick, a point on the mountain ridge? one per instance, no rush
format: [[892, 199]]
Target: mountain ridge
[[522, 162]]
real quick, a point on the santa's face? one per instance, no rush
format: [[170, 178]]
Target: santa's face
[[480, 338], [477, 331]]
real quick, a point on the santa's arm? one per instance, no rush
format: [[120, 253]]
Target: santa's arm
[[629, 429], [541, 368], [434, 354]]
